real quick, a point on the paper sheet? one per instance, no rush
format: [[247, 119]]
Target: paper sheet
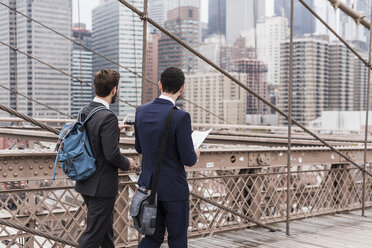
[[198, 137]]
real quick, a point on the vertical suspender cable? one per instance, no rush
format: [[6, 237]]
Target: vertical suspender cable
[[144, 47], [367, 109], [135, 56], [81, 74], [289, 123], [15, 52]]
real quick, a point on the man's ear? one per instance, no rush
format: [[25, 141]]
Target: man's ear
[[160, 86], [182, 89], [114, 90]]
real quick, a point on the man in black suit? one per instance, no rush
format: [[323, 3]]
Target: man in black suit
[[99, 191]]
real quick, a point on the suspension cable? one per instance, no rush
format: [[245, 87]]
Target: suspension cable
[[38, 233], [29, 119], [57, 69], [205, 59], [33, 100], [81, 73]]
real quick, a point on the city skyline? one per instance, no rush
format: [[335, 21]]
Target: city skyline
[[254, 44]]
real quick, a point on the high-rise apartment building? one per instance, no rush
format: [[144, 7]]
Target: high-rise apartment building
[[150, 87], [360, 81], [341, 78], [117, 34], [218, 94], [217, 17], [81, 67], [242, 15], [184, 23], [256, 80], [28, 76], [8, 68], [271, 32], [158, 9], [303, 20], [211, 48], [310, 78]]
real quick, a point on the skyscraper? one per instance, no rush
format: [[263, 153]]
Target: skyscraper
[[150, 87], [303, 20], [28, 76], [360, 84], [81, 68], [184, 23], [117, 34], [341, 78], [310, 78], [242, 15], [256, 80], [218, 94], [8, 69], [158, 9], [271, 31], [217, 17]]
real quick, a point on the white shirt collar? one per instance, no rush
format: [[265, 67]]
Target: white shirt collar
[[168, 98], [96, 99]]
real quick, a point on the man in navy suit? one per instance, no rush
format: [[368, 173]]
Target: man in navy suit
[[173, 190]]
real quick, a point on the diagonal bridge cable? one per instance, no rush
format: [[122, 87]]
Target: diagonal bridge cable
[[57, 69], [33, 100], [107, 59], [29, 119], [249, 90]]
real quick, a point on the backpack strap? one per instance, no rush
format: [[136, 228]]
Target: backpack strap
[[79, 115], [95, 110], [163, 145]]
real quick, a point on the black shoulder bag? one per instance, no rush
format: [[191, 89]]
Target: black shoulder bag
[[144, 203]]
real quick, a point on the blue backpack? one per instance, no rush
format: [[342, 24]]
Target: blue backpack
[[74, 153]]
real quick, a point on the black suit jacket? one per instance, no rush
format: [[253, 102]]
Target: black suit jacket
[[104, 134]]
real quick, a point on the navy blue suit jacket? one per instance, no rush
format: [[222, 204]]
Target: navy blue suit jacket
[[149, 126]]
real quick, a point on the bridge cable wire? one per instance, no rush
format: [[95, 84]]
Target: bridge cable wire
[[33, 100], [106, 58], [233, 212], [57, 69], [205, 59], [80, 54], [37, 233], [29, 119], [366, 123]]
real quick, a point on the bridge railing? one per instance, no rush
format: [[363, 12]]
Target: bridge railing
[[249, 181]]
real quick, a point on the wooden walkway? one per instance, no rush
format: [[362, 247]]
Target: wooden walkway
[[348, 230]]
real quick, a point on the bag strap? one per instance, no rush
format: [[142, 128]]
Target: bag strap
[[95, 110], [163, 145], [79, 115]]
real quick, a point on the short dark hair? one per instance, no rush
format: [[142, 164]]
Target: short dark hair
[[172, 80], [104, 81]]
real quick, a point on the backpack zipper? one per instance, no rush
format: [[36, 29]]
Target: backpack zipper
[[72, 159], [86, 148]]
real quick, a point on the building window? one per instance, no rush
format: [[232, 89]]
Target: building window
[[190, 12]]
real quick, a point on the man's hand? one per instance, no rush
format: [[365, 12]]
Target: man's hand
[[197, 151], [122, 124], [131, 164]]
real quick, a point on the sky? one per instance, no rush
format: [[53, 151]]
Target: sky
[[86, 7]]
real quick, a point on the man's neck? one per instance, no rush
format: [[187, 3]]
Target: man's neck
[[106, 99], [173, 96]]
